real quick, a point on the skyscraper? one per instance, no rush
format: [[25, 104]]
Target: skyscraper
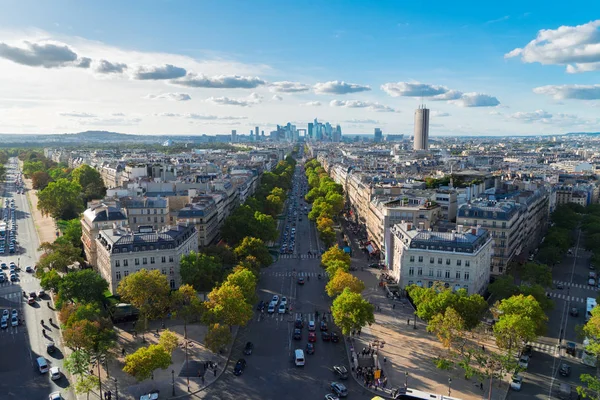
[[233, 136], [310, 130], [256, 131], [378, 135], [421, 139]]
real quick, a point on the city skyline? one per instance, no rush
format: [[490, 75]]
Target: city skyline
[[208, 68]]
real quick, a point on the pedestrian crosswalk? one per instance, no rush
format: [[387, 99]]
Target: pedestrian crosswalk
[[565, 297], [290, 273], [23, 278], [575, 285], [293, 316], [302, 256], [554, 349], [13, 296]]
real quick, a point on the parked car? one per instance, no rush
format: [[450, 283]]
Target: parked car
[[516, 382], [325, 336], [334, 337], [524, 361]]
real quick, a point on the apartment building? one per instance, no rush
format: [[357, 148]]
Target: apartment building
[[459, 259], [146, 211], [123, 252], [202, 213], [96, 218]]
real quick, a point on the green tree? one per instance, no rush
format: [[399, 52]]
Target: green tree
[[50, 280], [503, 287], [217, 337], [539, 293], [201, 271], [84, 384], [351, 312], [223, 253], [246, 281], [71, 230], [550, 255], [61, 199], [264, 227], [227, 305], [470, 308], [83, 286], [591, 382], [334, 253], [90, 181], [449, 327], [145, 360], [251, 246], [31, 167], [327, 236], [40, 179], [336, 201], [187, 305], [250, 263], [168, 340], [342, 280], [81, 335], [520, 319], [535, 273], [58, 255], [334, 267], [78, 362]]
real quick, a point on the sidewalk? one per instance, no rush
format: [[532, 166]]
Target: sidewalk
[[44, 224], [177, 381], [404, 353]]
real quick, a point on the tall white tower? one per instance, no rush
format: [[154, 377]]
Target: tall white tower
[[421, 139]]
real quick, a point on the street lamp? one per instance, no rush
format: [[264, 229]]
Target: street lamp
[[173, 380], [449, 386], [415, 325], [406, 380]]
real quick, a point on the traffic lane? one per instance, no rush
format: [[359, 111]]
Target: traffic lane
[[536, 379]]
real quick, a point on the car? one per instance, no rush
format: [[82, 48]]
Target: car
[[331, 396], [299, 324], [3, 265], [334, 337], [275, 299], [341, 371], [560, 286], [574, 312], [240, 365], [14, 321], [325, 336], [310, 348], [591, 282], [301, 280], [283, 301], [13, 277], [281, 309], [271, 308], [570, 251], [516, 382], [4, 323], [571, 348], [527, 350], [311, 326], [530, 258], [31, 300], [50, 347], [339, 389], [28, 269], [524, 361], [564, 370], [312, 337], [374, 265], [5, 313], [248, 348], [323, 326], [55, 396], [41, 293], [298, 334], [260, 305], [55, 373]]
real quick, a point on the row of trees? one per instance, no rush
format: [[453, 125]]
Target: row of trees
[[455, 318], [560, 236], [350, 311], [327, 199]]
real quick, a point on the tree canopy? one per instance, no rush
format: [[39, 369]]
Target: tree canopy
[[201, 271], [351, 312], [61, 199], [148, 291]]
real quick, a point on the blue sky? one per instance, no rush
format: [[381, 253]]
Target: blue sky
[[458, 49]]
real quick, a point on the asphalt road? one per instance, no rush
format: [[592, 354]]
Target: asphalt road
[[20, 346], [270, 371], [542, 380]]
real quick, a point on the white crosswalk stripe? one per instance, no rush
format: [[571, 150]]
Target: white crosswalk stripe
[[563, 296], [576, 285], [302, 256], [294, 316], [289, 273]]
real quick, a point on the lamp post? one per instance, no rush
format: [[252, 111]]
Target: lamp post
[[116, 388], [406, 380], [415, 325], [449, 386], [173, 380]]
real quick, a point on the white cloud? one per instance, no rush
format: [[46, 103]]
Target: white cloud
[[110, 122], [83, 62], [118, 114], [439, 114], [537, 115], [288, 87], [311, 104], [158, 72], [339, 87], [413, 89], [362, 121], [576, 92], [169, 96], [77, 114], [449, 95], [476, 100], [249, 101], [277, 97], [47, 54], [106, 67], [219, 81], [361, 104], [578, 47], [201, 117]]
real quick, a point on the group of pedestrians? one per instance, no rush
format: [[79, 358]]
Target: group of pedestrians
[[367, 374]]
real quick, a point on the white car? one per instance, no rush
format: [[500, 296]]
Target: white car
[[524, 361], [516, 382], [15, 313], [5, 313], [4, 323], [14, 321], [311, 326], [591, 282], [55, 373], [281, 309], [275, 299], [284, 301], [271, 308], [55, 396]]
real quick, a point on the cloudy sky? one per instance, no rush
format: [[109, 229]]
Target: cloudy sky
[[193, 67]]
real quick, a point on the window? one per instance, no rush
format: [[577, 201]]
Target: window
[[125, 263], [411, 271], [172, 283], [126, 273], [170, 258], [412, 258], [504, 225], [420, 259], [135, 220], [118, 275], [458, 262], [447, 274], [430, 284], [500, 269], [503, 243], [162, 219], [440, 260], [439, 273], [117, 263], [466, 276], [491, 268], [137, 261], [171, 271], [420, 271], [151, 260], [430, 271], [144, 261], [448, 261], [467, 263], [163, 259], [163, 271], [149, 219], [431, 260], [457, 274], [155, 218]]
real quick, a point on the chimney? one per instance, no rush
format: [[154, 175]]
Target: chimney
[[408, 226]]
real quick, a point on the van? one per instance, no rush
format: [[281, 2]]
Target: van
[[42, 365], [299, 358]]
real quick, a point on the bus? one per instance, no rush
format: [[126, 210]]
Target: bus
[[590, 304], [588, 358]]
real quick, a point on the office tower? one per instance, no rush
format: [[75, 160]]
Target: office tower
[[310, 130], [336, 135], [378, 135], [256, 131], [251, 135], [421, 139], [262, 133], [233, 136]]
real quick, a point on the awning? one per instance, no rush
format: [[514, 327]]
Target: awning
[[370, 249]]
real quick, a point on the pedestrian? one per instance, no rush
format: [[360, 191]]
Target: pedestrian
[[369, 346], [482, 347], [384, 360], [481, 385], [408, 321], [358, 332], [123, 352]]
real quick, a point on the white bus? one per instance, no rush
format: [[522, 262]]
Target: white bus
[[590, 304], [587, 358]]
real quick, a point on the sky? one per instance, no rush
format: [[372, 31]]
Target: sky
[[207, 67]]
